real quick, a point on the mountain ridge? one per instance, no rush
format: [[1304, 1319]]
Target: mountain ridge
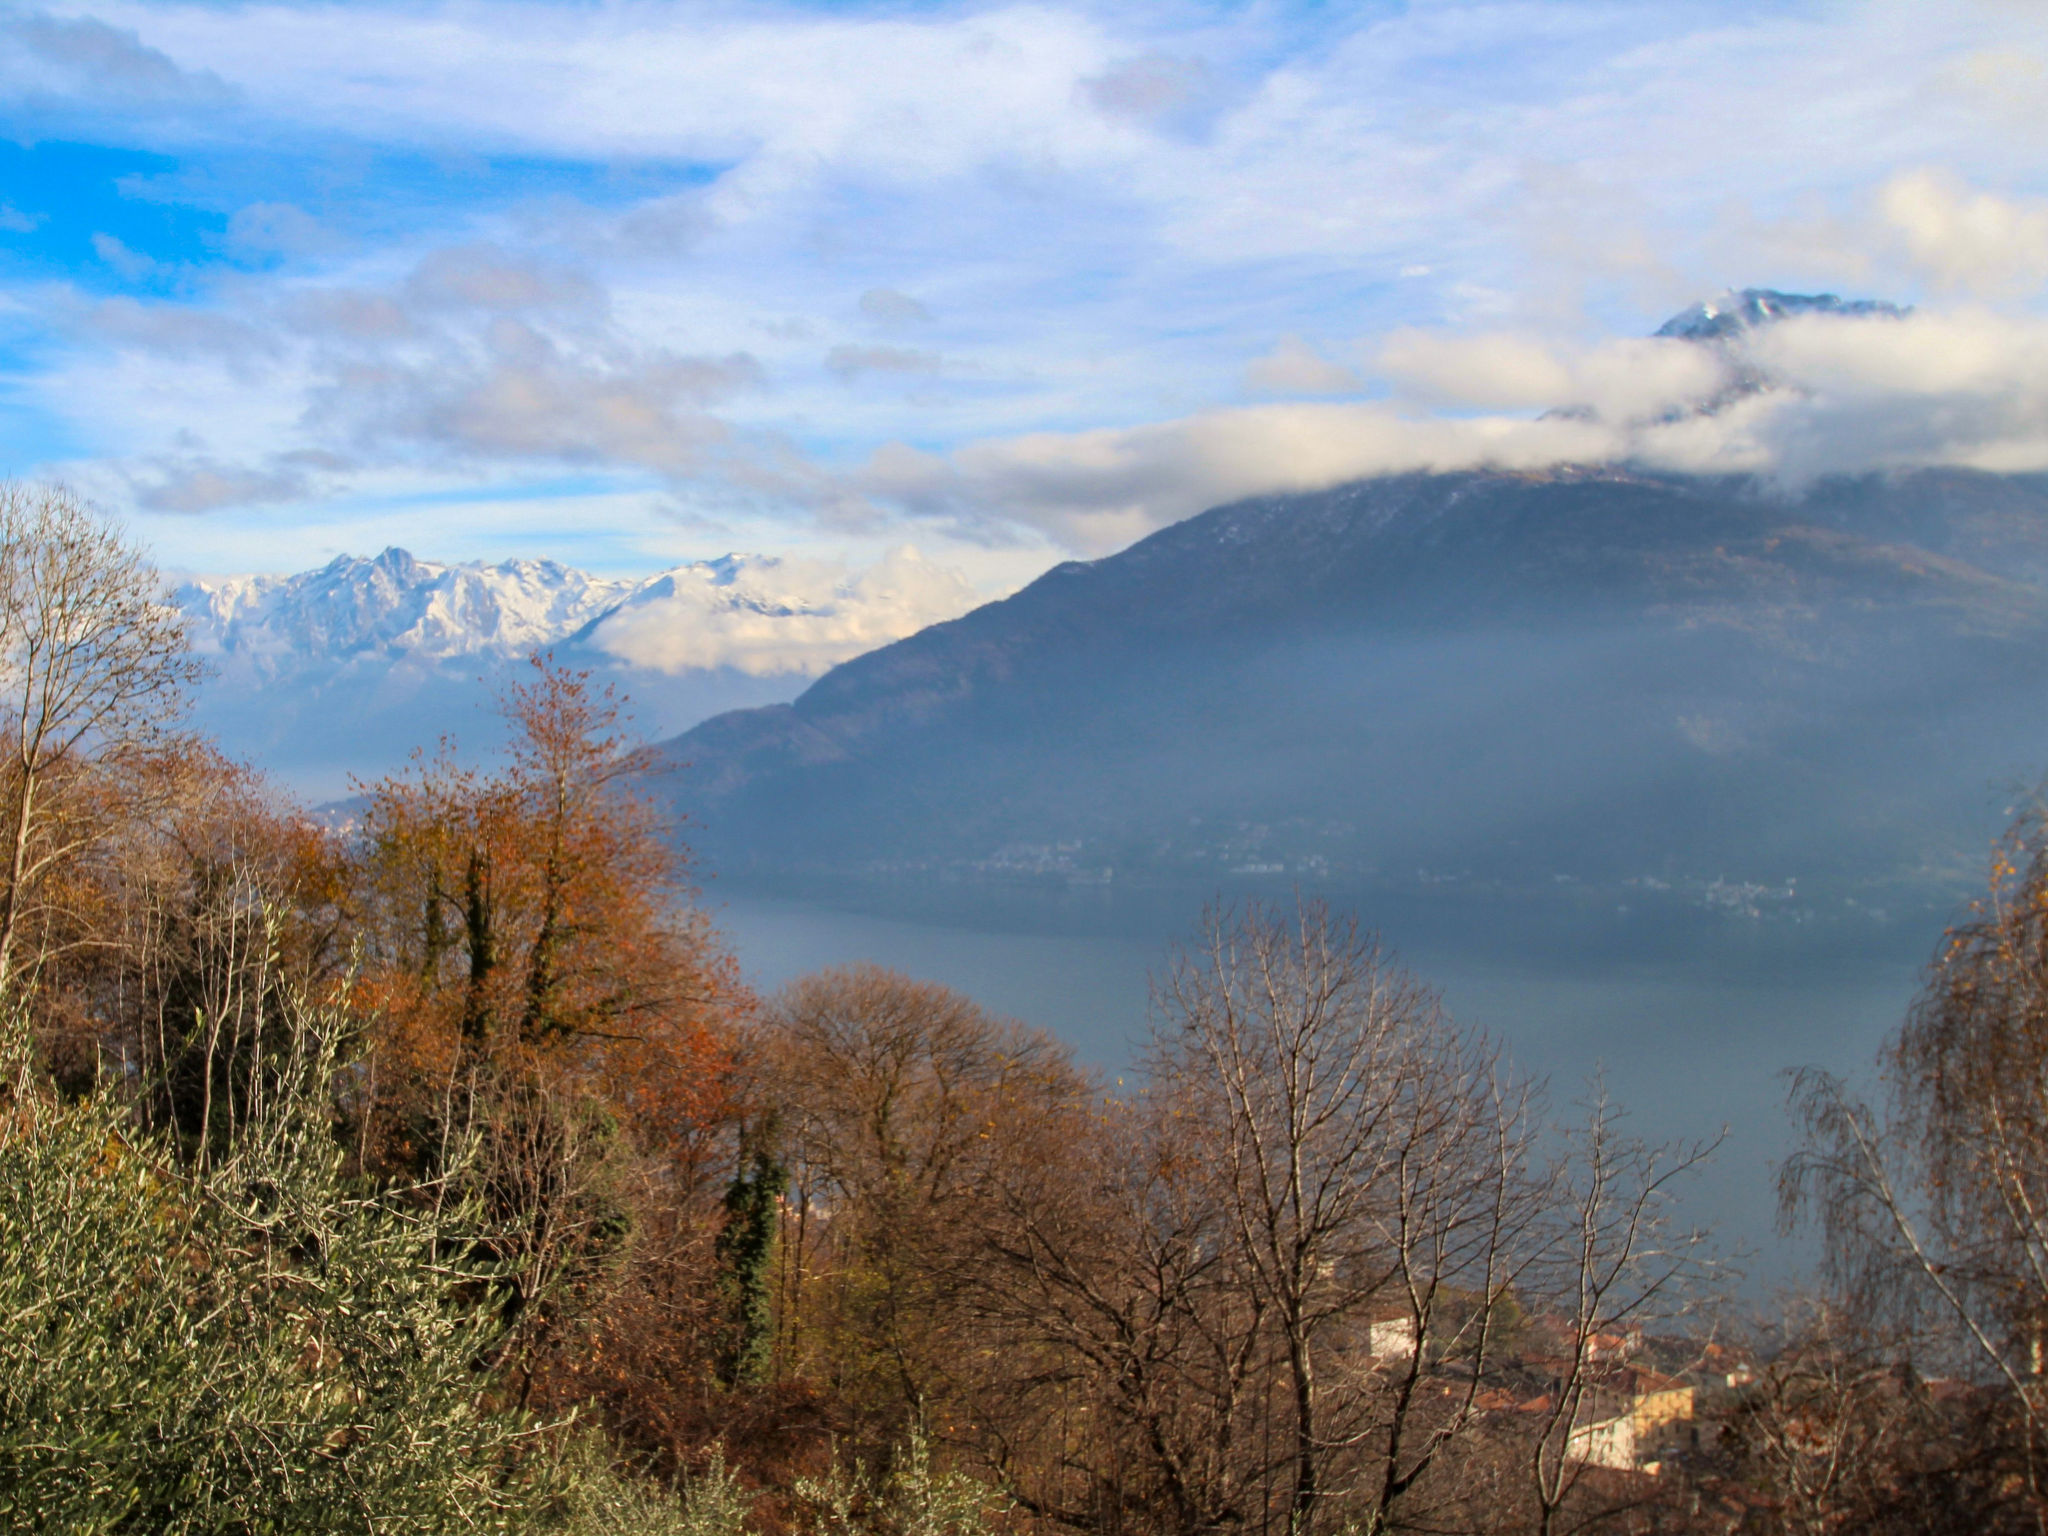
[[1590, 653], [343, 670]]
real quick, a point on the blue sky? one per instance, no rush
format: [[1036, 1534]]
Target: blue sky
[[626, 284]]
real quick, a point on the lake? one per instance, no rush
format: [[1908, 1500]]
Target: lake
[[1694, 1033]]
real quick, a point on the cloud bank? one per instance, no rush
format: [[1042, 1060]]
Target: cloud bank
[[1010, 281], [1804, 397], [765, 616]]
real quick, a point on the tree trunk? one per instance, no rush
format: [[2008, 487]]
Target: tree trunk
[[1301, 1521], [10, 900], [482, 950]]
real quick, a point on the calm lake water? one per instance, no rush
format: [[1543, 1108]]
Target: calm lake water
[[1693, 1038]]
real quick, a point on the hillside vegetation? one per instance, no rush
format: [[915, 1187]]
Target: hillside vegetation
[[439, 1172]]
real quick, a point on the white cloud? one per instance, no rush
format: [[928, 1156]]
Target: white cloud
[[1965, 239], [56, 56], [851, 361], [1106, 224], [484, 277], [1097, 491], [1630, 379], [1501, 370], [1294, 367], [277, 229], [1964, 387], [516, 391], [471, 355], [1156, 89], [129, 264], [765, 616], [199, 485], [1844, 395]]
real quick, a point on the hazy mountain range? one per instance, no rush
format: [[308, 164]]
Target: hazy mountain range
[[1592, 681]]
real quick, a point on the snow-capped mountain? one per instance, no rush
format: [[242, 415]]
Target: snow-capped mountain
[[1747, 308], [343, 670], [393, 606]]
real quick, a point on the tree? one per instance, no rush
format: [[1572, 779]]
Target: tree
[[1615, 1263], [257, 1344], [1933, 1205], [185, 931], [1372, 1164], [93, 662], [1131, 1365], [544, 983], [537, 919], [892, 1095], [542, 904], [1838, 1434], [746, 1255]]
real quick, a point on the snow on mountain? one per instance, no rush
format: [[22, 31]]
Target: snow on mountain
[[1748, 308], [392, 606], [758, 614], [341, 672], [1708, 357], [764, 615]]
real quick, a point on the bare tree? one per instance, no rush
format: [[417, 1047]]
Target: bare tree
[[1934, 1204], [1828, 1419], [1373, 1164], [93, 663], [891, 1094], [1136, 1368], [1616, 1263]]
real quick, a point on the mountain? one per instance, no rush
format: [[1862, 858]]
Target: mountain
[[1594, 691], [344, 670], [1748, 308], [392, 607]]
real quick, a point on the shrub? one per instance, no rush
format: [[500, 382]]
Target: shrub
[[247, 1346]]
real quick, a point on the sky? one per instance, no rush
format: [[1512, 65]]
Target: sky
[[626, 284]]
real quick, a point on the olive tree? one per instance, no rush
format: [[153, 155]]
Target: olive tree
[[259, 1344]]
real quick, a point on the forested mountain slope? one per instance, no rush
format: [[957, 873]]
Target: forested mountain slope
[[1584, 678]]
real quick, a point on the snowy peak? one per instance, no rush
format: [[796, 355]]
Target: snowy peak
[[757, 614], [397, 606], [1738, 311]]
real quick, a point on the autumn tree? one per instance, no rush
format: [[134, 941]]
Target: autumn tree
[[93, 662], [191, 925], [890, 1093], [1130, 1378], [541, 913], [545, 983]]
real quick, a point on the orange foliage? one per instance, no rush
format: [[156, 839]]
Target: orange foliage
[[194, 895], [537, 919]]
